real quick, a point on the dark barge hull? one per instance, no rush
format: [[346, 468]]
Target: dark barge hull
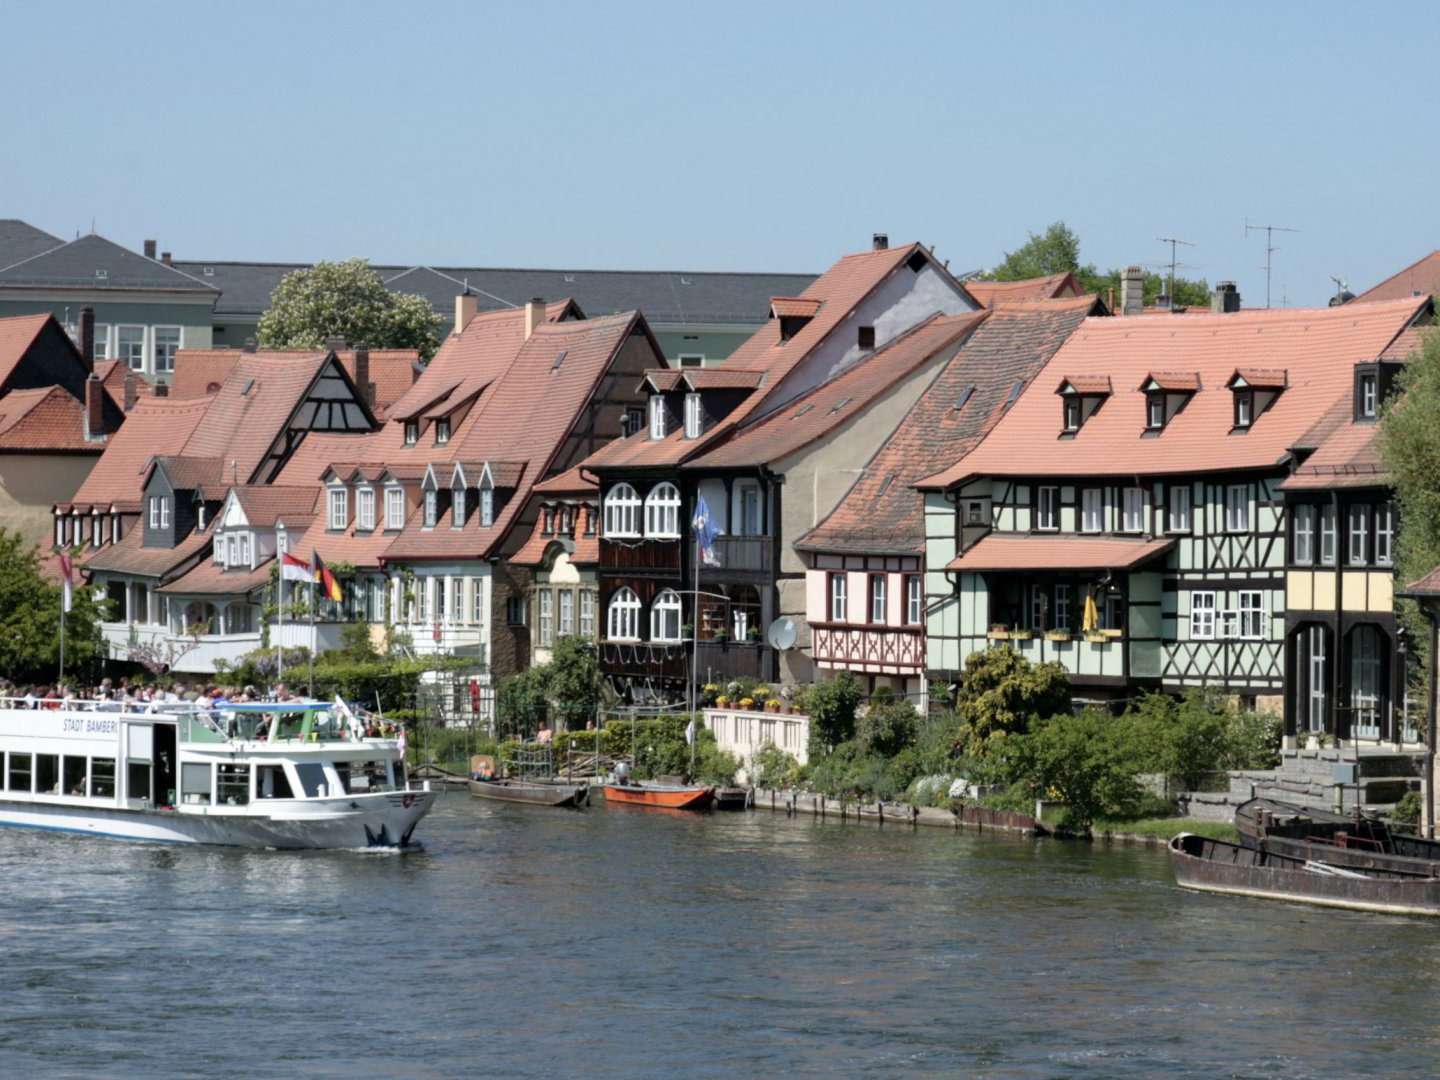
[[531, 794], [1364, 843], [1215, 866]]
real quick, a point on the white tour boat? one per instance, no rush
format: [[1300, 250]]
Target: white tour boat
[[262, 775]]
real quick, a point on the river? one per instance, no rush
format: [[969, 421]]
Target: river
[[621, 942]]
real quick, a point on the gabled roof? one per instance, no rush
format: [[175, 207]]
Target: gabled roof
[[573, 481], [207, 578], [783, 307], [191, 473], [1317, 347], [113, 374], [1421, 278], [1050, 287], [882, 514], [93, 262], [155, 426], [1428, 586], [722, 379], [583, 550], [48, 419], [661, 380], [201, 372], [836, 402], [266, 504], [20, 240], [17, 334], [1259, 378], [1085, 384], [1175, 381]]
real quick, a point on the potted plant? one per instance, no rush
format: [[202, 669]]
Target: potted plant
[[1021, 635], [752, 634], [746, 704], [999, 632], [773, 705], [722, 702], [721, 635]]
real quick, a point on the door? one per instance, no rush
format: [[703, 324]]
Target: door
[[1366, 670], [1318, 677], [165, 767]]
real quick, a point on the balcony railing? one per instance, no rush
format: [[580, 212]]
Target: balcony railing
[[715, 661], [752, 553], [863, 647]]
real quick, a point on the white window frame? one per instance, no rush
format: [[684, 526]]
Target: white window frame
[[120, 353], [1038, 603], [1244, 408], [1071, 412], [545, 605], [622, 512], [1047, 509], [565, 614], [432, 507], [164, 511], [690, 360], [1178, 520], [743, 492], [1097, 511], [154, 517], [1202, 616], [100, 350], [693, 416], [1237, 508], [1154, 411], [1385, 534], [662, 512], [877, 591], [914, 600], [587, 613], [394, 507], [232, 549], [487, 507], [155, 332], [1252, 615], [656, 409], [1132, 516], [666, 609], [1302, 534], [839, 590], [1062, 607], [457, 507], [623, 617], [1369, 395], [1329, 535], [442, 431], [1357, 534], [365, 509], [412, 432], [337, 509]]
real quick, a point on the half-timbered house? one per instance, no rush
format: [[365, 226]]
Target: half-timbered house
[[1125, 518]]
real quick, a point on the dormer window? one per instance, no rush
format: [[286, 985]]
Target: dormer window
[[1255, 390], [1080, 396], [487, 507], [1367, 393], [457, 507], [1154, 411], [442, 432], [692, 416], [339, 511], [793, 314], [1166, 395], [365, 509], [412, 432], [1244, 408], [432, 507], [1072, 414], [657, 416], [632, 421]]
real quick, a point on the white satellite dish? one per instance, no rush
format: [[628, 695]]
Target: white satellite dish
[[781, 634]]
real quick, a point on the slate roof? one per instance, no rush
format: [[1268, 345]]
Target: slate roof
[[1420, 278], [20, 240], [664, 296], [1317, 348], [882, 514], [48, 419], [79, 264], [997, 552], [156, 425], [1052, 287]]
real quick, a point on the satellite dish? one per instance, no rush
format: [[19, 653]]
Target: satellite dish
[[781, 634]]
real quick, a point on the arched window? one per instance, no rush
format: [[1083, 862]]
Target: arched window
[[624, 616], [622, 511], [662, 512], [665, 617]]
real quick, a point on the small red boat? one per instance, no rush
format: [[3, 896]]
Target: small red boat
[[670, 796]]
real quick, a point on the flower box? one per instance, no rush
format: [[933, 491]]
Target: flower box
[[1021, 635], [999, 635], [1057, 635], [1113, 633], [1097, 638]]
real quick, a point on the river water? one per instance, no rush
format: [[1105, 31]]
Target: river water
[[621, 942]]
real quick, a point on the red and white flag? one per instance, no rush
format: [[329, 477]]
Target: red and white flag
[[293, 569], [67, 582]]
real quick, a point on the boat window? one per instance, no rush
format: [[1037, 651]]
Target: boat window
[[137, 780], [368, 776], [232, 782], [21, 766], [312, 778], [47, 774], [102, 777], [195, 783], [74, 776], [272, 783], [342, 770], [399, 767]]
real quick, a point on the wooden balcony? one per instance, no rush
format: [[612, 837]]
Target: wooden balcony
[[753, 554], [717, 661], [647, 555], [868, 648], [645, 660]]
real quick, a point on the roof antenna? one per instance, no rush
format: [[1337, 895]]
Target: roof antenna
[[1173, 241], [1270, 247]]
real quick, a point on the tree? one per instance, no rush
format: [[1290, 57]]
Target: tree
[[574, 683], [1001, 693], [887, 728], [521, 703], [1185, 738], [30, 618], [346, 299], [1088, 760], [831, 706]]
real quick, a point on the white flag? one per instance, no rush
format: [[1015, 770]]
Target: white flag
[[67, 588], [690, 733]]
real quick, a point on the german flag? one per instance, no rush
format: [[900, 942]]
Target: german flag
[[329, 583]]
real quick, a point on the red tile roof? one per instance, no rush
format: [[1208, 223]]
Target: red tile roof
[[1180, 381], [209, 579], [584, 550], [996, 552], [1427, 586], [129, 557], [1346, 454], [190, 473], [1052, 287], [1087, 384], [882, 514], [113, 375], [1318, 347], [1261, 378], [155, 426], [48, 419], [573, 481], [662, 380], [842, 398], [201, 372], [722, 379], [17, 334], [1401, 349], [784, 307], [1420, 278], [266, 504]]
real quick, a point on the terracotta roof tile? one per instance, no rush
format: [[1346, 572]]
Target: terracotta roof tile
[[155, 426], [882, 513], [1261, 378], [1051, 287], [113, 375], [1318, 347], [201, 372], [723, 379], [1179, 381], [1401, 349], [1420, 278], [663, 380], [783, 307], [1428, 586], [584, 550], [572, 481], [1087, 384], [265, 504], [209, 579], [996, 552], [129, 557], [46, 419], [189, 473]]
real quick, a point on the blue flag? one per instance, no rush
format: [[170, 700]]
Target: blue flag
[[705, 533]]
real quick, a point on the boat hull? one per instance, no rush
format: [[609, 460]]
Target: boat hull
[[670, 798], [365, 821], [1215, 866], [531, 794]]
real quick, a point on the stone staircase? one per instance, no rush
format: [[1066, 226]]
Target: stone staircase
[[1308, 778]]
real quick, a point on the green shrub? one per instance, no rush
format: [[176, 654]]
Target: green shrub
[[887, 727], [831, 706], [1407, 810], [1255, 739], [1087, 760], [773, 767], [1001, 693]]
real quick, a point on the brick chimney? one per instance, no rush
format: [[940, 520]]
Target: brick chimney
[[1132, 291], [534, 315], [87, 338], [165, 258], [335, 342], [132, 391], [162, 389], [249, 345], [150, 249], [94, 408], [879, 241], [1226, 299], [362, 374], [466, 307]]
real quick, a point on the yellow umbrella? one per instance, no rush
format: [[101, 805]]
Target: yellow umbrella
[[1092, 614]]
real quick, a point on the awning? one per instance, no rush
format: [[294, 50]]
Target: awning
[[1057, 553]]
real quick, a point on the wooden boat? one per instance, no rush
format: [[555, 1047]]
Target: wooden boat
[[1216, 866], [670, 796], [732, 798], [1359, 842], [532, 792]]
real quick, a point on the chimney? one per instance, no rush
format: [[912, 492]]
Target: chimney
[[132, 391], [1226, 300], [466, 306], [416, 370], [162, 389], [534, 315], [1132, 291], [94, 408], [362, 374], [165, 258], [249, 345], [335, 342], [150, 249], [880, 241], [87, 338]]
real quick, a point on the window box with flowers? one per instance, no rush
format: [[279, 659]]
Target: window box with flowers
[[1096, 637], [1057, 635], [1021, 635], [774, 705], [999, 632]]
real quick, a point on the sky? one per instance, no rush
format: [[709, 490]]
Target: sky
[[735, 136]]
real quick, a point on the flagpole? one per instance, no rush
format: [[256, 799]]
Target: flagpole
[[314, 603], [280, 631], [695, 624]]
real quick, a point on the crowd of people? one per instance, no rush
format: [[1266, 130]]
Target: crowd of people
[[119, 695]]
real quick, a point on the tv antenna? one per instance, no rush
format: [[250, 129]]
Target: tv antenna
[[1173, 242], [1270, 248]]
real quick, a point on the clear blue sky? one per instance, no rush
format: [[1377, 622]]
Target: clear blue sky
[[731, 136]]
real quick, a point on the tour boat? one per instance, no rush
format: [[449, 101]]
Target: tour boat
[[671, 796], [263, 775]]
